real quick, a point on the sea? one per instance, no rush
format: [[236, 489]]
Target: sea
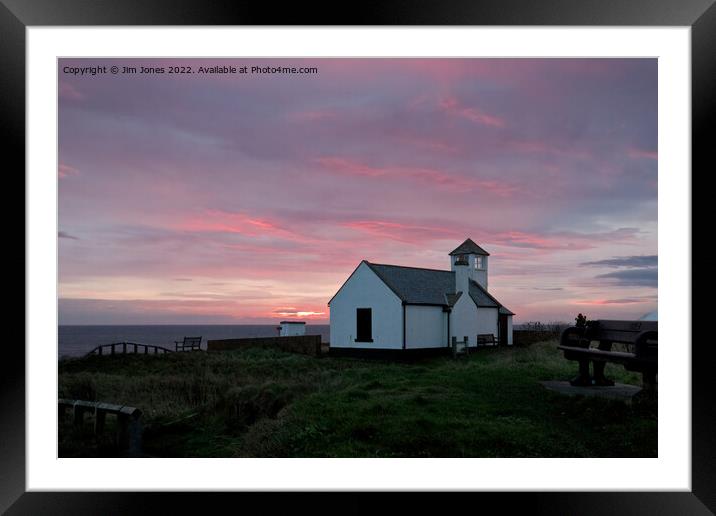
[[75, 341]]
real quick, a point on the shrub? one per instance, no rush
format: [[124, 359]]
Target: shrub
[[243, 406], [79, 386]]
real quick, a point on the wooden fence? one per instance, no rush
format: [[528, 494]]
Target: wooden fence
[[128, 347], [303, 344]]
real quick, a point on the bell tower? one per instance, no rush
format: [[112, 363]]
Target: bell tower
[[469, 261]]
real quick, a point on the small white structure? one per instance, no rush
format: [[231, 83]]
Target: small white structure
[[292, 328], [393, 307]]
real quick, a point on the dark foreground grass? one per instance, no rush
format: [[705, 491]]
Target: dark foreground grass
[[259, 403]]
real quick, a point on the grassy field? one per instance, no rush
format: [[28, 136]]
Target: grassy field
[[259, 403]]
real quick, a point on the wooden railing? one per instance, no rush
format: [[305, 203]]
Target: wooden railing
[[127, 347], [129, 429], [460, 347]]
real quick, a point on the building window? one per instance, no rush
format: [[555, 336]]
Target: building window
[[478, 262], [364, 325]]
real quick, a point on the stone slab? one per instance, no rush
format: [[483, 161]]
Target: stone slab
[[618, 391]]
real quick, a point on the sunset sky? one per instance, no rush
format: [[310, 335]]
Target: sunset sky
[[247, 198]]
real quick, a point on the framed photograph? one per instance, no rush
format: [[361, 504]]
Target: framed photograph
[[420, 249]]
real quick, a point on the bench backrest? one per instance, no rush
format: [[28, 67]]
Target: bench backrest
[[625, 332], [107, 408], [191, 341], [486, 338]]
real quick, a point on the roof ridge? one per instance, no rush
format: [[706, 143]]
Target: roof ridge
[[407, 267]]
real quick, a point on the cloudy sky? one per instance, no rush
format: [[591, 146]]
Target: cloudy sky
[[249, 198]]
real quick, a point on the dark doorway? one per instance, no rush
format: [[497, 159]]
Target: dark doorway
[[502, 329], [364, 325]]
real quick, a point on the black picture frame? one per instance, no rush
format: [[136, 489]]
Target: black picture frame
[[17, 15]]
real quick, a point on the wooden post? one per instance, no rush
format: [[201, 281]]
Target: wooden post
[[146, 349], [78, 414], [135, 348], [135, 436], [99, 350], [124, 347], [122, 430], [649, 383], [583, 379], [113, 349], [99, 416], [598, 366], [129, 430]]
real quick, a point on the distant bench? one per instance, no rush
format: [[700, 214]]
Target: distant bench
[[486, 339], [188, 344], [640, 338]]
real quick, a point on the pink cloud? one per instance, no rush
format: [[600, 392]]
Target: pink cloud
[[430, 144], [69, 91], [563, 240], [66, 171], [538, 147], [598, 302], [294, 312], [635, 153], [427, 175], [216, 221], [452, 106], [408, 233], [313, 116]]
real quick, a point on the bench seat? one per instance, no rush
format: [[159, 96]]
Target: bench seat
[[608, 356]]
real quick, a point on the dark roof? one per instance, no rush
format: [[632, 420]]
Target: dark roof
[[480, 296], [506, 311], [429, 286], [469, 247], [452, 298], [416, 286]]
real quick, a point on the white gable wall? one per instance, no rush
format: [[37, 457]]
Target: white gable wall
[[366, 290], [487, 320], [463, 320], [426, 327]]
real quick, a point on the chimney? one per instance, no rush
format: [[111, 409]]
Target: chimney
[[462, 274]]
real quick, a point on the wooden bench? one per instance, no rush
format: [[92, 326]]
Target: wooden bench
[[486, 339], [188, 344], [129, 429], [640, 338], [459, 347]]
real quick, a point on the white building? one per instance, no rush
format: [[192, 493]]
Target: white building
[[291, 328], [390, 307]]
